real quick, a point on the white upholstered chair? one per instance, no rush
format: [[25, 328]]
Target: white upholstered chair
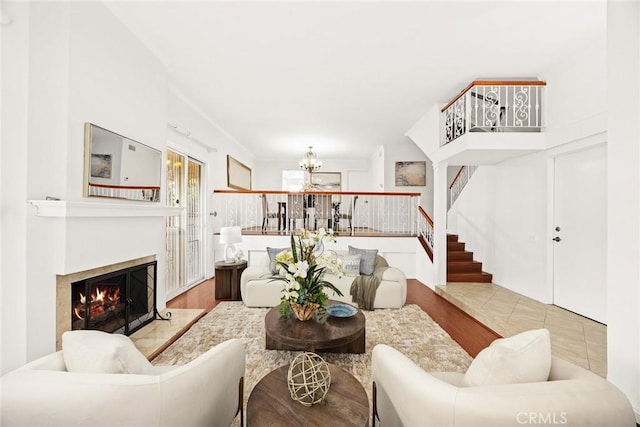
[[405, 395], [207, 391]]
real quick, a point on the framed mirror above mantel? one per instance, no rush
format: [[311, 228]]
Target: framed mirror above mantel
[[118, 167]]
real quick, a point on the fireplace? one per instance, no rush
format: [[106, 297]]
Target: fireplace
[[115, 298], [120, 302]]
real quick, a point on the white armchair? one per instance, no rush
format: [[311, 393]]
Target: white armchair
[[405, 395], [206, 391]]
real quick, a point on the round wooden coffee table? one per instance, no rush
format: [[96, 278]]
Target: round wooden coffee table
[[325, 334], [270, 404]]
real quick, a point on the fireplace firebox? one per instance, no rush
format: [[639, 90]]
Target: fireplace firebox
[[121, 302]]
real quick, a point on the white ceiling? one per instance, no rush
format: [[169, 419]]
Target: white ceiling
[[347, 77]]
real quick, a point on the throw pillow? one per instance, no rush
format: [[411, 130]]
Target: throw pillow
[[367, 259], [351, 264], [273, 267], [100, 352], [522, 358]]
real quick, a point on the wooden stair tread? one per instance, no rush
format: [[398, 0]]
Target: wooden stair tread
[[464, 266], [481, 277], [460, 256], [455, 246], [461, 267]]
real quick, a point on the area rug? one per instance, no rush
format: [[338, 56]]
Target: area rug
[[409, 329]]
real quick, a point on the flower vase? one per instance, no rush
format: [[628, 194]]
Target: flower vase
[[304, 311]]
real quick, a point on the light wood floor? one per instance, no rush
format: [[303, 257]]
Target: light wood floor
[[464, 329]]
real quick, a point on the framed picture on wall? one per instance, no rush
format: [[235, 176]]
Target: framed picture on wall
[[326, 181], [238, 174], [410, 174], [101, 165]]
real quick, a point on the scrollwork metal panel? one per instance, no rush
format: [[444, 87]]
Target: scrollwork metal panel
[[494, 108]]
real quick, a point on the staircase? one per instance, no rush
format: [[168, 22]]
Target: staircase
[[460, 264]]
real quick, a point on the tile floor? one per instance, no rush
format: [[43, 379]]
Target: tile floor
[[573, 337], [153, 338]]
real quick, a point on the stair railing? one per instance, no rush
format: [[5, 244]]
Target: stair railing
[[425, 231], [460, 181], [494, 106]]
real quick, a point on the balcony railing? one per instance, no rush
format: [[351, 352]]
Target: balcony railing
[[494, 106], [350, 213]]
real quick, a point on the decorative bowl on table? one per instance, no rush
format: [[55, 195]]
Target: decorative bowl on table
[[341, 310]]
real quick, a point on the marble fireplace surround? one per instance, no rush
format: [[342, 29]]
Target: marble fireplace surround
[[63, 291], [105, 221]]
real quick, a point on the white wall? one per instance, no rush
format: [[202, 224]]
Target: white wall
[[377, 167], [59, 70], [116, 83], [140, 166], [190, 117], [268, 172], [402, 152], [623, 268], [426, 131], [501, 216], [595, 91], [27, 305], [424, 268], [13, 186], [215, 144], [576, 94], [73, 74]]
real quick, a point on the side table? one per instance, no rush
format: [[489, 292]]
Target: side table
[[227, 279]]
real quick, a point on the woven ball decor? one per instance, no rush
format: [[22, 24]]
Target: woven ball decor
[[308, 379]]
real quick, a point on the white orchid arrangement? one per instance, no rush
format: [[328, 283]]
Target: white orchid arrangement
[[304, 268]]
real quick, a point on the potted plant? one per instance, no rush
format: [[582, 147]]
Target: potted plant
[[303, 268]]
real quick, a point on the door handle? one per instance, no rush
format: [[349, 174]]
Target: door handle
[[556, 239]]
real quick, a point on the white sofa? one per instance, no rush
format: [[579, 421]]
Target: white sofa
[[406, 395], [205, 392], [259, 290]]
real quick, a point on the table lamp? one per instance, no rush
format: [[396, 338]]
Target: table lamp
[[229, 236]]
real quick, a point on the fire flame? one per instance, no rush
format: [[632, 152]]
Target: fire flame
[[100, 302]]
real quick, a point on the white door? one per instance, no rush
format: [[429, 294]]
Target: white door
[[580, 232], [184, 233]]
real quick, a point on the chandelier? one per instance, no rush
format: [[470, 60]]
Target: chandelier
[[310, 161]]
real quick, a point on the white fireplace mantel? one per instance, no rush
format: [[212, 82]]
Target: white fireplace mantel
[[81, 209]]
